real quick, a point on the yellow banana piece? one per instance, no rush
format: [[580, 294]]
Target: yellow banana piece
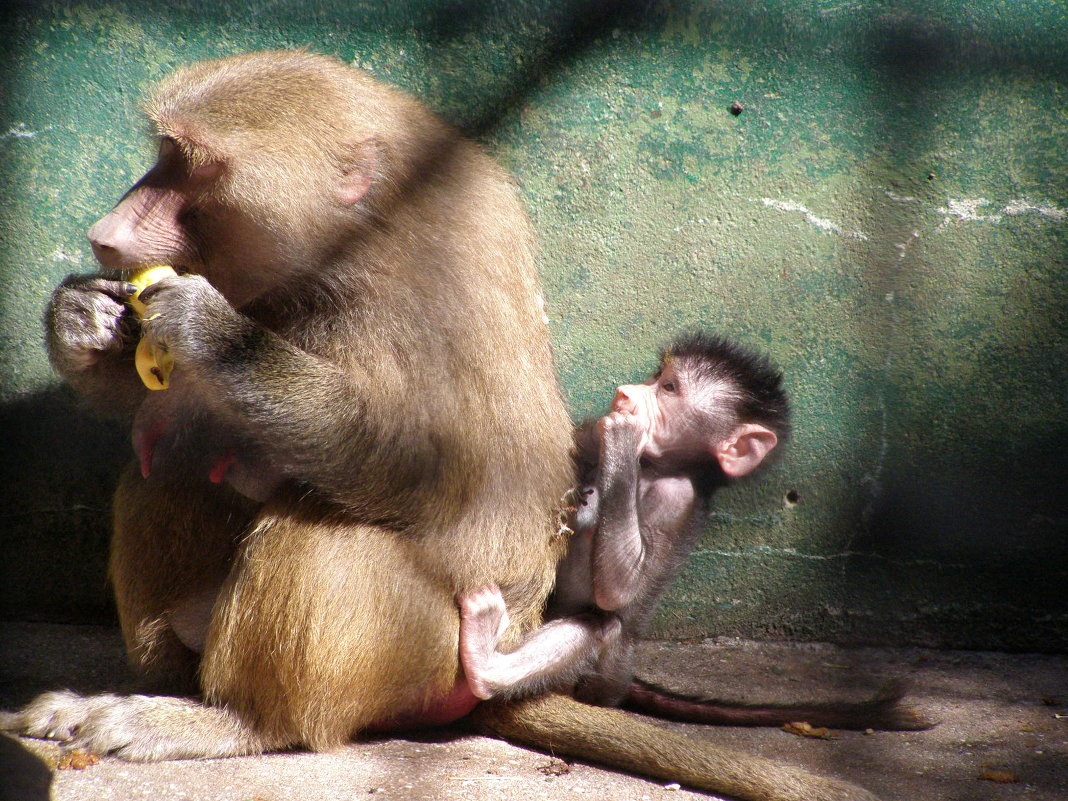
[[153, 363]]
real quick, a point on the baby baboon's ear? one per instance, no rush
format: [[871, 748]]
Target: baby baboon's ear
[[744, 449]]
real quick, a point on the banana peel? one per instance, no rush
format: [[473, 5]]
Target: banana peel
[[153, 363]]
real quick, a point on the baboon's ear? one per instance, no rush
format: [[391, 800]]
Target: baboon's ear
[[742, 452], [357, 168]]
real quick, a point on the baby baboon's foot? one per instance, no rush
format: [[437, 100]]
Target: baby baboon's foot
[[483, 613], [483, 621]]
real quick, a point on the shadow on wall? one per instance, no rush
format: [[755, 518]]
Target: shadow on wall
[[57, 475], [58, 478], [979, 498], [574, 27]]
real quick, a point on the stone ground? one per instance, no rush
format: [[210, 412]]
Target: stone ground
[[998, 712]]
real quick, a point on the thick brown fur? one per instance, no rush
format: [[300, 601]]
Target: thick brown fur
[[428, 300]]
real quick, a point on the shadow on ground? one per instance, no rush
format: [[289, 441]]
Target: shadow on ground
[[997, 711]]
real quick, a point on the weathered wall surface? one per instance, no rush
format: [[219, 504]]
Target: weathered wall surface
[[888, 217]]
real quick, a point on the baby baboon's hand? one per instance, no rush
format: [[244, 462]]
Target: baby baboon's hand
[[622, 434]]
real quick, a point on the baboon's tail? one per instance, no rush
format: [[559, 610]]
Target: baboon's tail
[[562, 726], [884, 710]]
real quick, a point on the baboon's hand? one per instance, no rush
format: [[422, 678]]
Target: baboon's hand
[[622, 435], [139, 728], [87, 319], [52, 716], [190, 319]]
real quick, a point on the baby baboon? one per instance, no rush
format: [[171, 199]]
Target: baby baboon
[[712, 412]]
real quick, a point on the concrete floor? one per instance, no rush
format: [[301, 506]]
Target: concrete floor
[[998, 712]]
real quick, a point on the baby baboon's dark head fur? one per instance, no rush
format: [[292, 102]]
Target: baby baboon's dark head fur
[[761, 397]]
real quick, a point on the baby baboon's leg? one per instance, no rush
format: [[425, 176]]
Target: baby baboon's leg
[[553, 656]]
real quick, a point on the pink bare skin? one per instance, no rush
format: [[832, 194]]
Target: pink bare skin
[[457, 704]]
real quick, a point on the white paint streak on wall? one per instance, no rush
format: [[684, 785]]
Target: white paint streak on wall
[[1017, 207], [59, 254], [969, 210], [900, 198], [20, 131], [793, 553], [903, 248], [698, 221], [820, 222]]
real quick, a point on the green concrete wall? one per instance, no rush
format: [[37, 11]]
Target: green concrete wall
[[888, 217]]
